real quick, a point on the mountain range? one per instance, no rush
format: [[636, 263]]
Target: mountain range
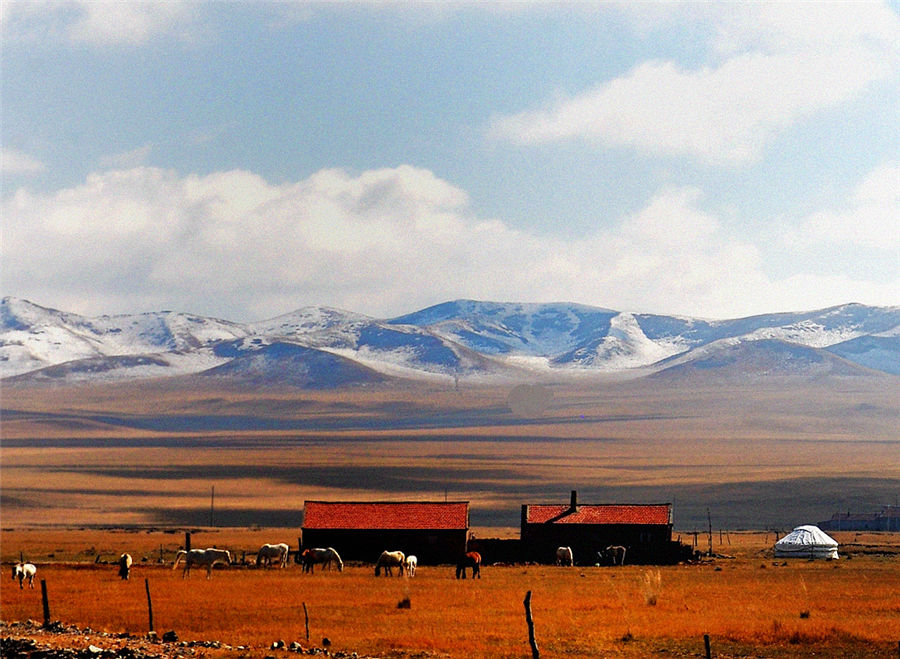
[[319, 347]]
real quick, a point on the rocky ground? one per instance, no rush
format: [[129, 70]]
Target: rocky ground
[[31, 640]]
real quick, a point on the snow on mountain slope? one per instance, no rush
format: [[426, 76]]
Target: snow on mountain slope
[[751, 359], [35, 337], [463, 338], [503, 328], [624, 346]]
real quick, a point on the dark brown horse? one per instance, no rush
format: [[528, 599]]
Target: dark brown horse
[[472, 560]]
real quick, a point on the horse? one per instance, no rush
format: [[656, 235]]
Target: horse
[[411, 564], [328, 557], [267, 553], [473, 560], [124, 563], [388, 560], [23, 571], [206, 557], [564, 556], [614, 554]]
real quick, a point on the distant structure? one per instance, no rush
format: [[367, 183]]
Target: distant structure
[[436, 532], [886, 520], [645, 529]]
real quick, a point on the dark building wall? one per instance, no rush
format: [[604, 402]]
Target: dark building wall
[[431, 547], [645, 543]]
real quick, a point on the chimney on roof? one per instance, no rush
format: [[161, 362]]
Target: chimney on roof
[[573, 502]]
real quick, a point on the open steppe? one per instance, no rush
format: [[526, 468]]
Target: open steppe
[[761, 454], [98, 470], [749, 603]]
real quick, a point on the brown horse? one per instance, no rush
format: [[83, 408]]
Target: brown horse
[[472, 560]]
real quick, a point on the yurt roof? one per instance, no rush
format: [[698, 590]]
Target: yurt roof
[[809, 536]]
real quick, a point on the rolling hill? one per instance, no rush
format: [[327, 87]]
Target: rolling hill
[[320, 347]]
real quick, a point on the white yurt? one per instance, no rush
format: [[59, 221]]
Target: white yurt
[[806, 542]]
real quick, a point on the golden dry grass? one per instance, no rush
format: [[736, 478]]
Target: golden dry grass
[[750, 603], [150, 454]]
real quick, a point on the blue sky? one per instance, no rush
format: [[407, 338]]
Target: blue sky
[[246, 159]]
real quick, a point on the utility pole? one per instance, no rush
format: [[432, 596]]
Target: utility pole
[[212, 504]]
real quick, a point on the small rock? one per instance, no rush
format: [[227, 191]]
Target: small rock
[[277, 645], [93, 649]]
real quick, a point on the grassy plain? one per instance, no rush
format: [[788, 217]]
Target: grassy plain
[[757, 455], [750, 604], [154, 459]]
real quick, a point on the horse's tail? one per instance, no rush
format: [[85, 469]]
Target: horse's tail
[[181, 554], [259, 556]]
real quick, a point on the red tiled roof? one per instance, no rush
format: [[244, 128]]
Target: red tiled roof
[[385, 515], [599, 514]]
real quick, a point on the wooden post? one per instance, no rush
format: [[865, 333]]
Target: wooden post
[[45, 602], [187, 540], [707, 646], [149, 603], [306, 615], [709, 520], [535, 653]]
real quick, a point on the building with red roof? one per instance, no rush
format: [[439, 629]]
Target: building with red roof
[[435, 532], [644, 529]]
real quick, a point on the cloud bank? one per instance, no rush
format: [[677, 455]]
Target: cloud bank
[[384, 242], [770, 65]]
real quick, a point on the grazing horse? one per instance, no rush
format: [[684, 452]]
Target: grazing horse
[[267, 553], [23, 571], [614, 554], [564, 556], [473, 560], [388, 561], [124, 563], [206, 557], [411, 564], [328, 557]]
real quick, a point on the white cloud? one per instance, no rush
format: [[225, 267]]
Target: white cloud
[[871, 220], [95, 22], [13, 161], [776, 63], [382, 242], [127, 159]]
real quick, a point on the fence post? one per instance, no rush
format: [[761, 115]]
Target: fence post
[[187, 540], [149, 603], [535, 653], [45, 602], [306, 615], [707, 646]]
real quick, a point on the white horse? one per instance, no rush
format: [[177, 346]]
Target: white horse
[[328, 557], [411, 564], [205, 557], [125, 563], [267, 553], [564, 556], [388, 561], [23, 571]]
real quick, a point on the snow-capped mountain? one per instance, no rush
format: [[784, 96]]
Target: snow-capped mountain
[[322, 347]]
